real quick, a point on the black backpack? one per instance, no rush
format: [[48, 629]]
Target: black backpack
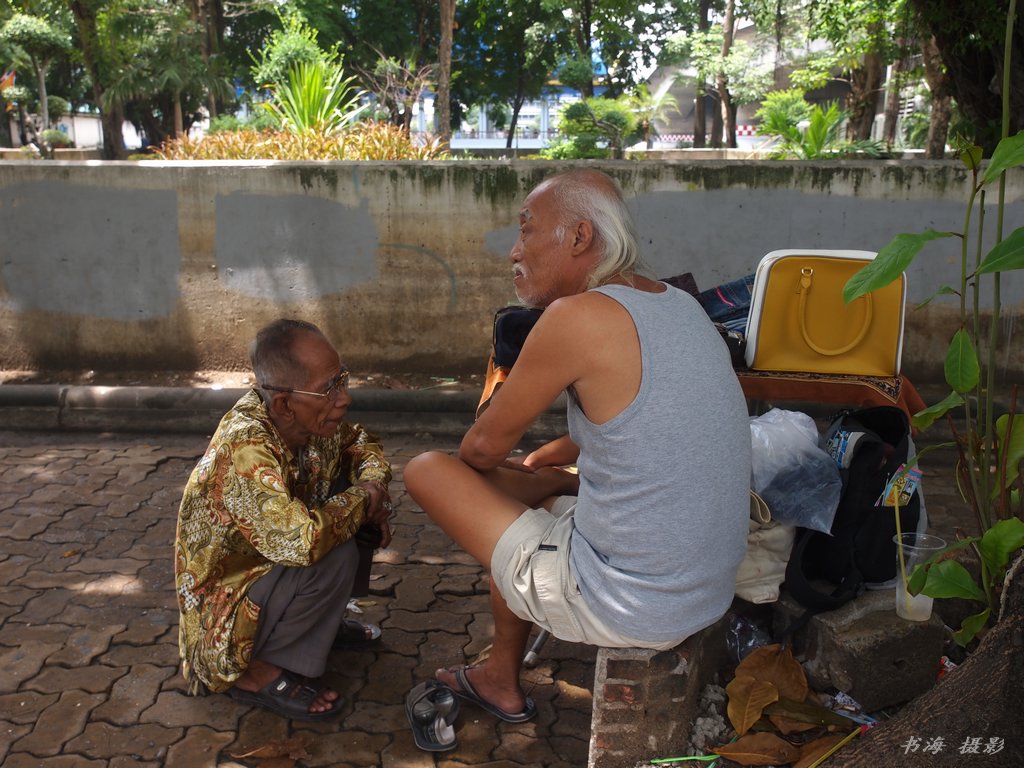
[[870, 446]]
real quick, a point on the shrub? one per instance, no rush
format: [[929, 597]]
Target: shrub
[[366, 141], [56, 139], [58, 106], [259, 121]]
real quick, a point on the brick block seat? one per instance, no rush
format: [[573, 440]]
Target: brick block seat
[[645, 701]]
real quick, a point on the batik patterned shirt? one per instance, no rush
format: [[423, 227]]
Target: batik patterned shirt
[[250, 504]]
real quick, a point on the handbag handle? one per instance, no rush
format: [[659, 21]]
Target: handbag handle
[[806, 273]]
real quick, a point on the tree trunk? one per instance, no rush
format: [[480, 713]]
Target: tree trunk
[[716, 124], [893, 102], [44, 106], [444, 79], [973, 56], [700, 127], [975, 707], [862, 103], [179, 122], [942, 107], [724, 101], [517, 105], [85, 20]]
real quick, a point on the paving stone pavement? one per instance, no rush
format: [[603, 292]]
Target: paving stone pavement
[[88, 626], [88, 629]]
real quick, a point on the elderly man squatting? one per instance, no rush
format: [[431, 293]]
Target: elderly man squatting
[[265, 556]]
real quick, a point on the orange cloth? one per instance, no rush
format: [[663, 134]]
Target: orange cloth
[[854, 391]]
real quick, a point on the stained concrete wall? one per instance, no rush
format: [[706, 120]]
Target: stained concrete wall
[[175, 265]]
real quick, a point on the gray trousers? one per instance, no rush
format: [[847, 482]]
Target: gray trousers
[[301, 609]]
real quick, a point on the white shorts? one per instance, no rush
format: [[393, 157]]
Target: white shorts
[[530, 567]]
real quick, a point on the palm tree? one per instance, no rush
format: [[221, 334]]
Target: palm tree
[[650, 108], [169, 63]]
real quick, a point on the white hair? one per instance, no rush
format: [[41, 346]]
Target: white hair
[[590, 195]]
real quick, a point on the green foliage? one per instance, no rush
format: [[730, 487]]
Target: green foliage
[[991, 450], [17, 94], [294, 44], [260, 121], [317, 97], [578, 148], [366, 141], [36, 36], [781, 113], [577, 74], [817, 137], [591, 122], [56, 139], [58, 106], [945, 577]]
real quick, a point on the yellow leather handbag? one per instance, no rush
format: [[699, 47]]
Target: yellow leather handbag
[[799, 322]]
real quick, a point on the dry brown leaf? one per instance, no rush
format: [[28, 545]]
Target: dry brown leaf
[[294, 749], [776, 665], [759, 749], [787, 725], [807, 713], [747, 699], [812, 750]]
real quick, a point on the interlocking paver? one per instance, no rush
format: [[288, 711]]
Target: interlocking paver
[[94, 678], [200, 748], [88, 627], [133, 693], [59, 723], [84, 645], [148, 741]]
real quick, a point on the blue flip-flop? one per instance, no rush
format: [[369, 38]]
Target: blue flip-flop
[[469, 693]]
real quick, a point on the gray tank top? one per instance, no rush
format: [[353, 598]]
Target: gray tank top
[[661, 519]]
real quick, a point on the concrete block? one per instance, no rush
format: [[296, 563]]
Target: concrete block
[[865, 649]]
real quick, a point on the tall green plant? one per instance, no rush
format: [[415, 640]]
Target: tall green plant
[[817, 137], [991, 449], [317, 97]]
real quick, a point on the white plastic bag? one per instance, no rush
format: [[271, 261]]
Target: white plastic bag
[[792, 473]]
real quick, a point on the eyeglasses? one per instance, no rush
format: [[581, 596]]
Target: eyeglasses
[[334, 387]]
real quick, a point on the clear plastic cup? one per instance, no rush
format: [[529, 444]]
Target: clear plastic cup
[[917, 548]]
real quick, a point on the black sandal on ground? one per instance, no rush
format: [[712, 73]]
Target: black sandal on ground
[[432, 708], [289, 695]]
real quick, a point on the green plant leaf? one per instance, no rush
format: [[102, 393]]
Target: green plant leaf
[[971, 157], [1007, 255], [999, 542], [970, 627], [889, 264], [950, 579], [927, 417], [917, 579], [943, 291], [1010, 451], [1009, 154], [961, 366]]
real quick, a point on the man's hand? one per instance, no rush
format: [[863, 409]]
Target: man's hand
[[378, 508]]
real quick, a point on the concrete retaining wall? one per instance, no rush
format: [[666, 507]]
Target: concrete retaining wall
[[175, 265]]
